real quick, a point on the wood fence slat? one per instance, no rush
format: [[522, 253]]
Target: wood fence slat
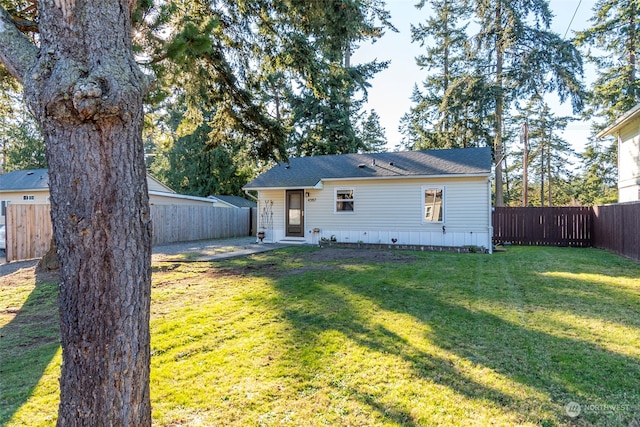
[[28, 231], [29, 228], [615, 228], [542, 226], [612, 227]]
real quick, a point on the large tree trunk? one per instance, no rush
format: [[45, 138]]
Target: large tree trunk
[[100, 214], [87, 92]]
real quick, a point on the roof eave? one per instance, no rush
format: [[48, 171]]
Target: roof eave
[[22, 190], [441, 176], [276, 188], [319, 185], [185, 197], [620, 122]]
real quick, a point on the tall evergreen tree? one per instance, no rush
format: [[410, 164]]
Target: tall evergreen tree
[[454, 105], [188, 162], [7, 114], [549, 154], [277, 74], [612, 44], [372, 133], [478, 79], [597, 182], [526, 59], [21, 143]]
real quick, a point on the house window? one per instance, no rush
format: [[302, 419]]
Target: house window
[[28, 197], [3, 207], [433, 202], [344, 200]]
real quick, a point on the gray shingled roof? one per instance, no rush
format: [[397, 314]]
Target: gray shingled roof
[[36, 179], [238, 201], [308, 171]]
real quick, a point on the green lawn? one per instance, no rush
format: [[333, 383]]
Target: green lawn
[[311, 337]]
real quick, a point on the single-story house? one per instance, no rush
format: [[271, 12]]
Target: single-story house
[[627, 130], [32, 187], [431, 198]]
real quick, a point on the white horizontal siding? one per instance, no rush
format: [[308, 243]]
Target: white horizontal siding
[[271, 214], [386, 210], [386, 205], [629, 163]]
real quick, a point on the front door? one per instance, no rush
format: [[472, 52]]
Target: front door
[[295, 213]]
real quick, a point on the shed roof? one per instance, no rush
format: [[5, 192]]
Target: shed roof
[[38, 179], [236, 201], [309, 171]]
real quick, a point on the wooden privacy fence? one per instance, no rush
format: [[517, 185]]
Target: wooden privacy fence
[[554, 226], [29, 228], [615, 228], [28, 231], [186, 223]]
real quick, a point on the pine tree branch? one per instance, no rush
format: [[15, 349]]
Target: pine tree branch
[[17, 52]]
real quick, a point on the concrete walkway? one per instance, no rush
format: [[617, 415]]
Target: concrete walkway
[[211, 250], [198, 251]]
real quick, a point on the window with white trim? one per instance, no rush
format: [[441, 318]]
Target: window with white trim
[[28, 197], [432, 204], [344, 201]]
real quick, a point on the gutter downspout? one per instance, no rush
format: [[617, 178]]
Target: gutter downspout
[[251, 195], [251, 230], [490, 246]]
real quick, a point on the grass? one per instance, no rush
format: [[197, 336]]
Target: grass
[[312, 337]]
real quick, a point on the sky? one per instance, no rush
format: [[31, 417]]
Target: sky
[[391, 89]]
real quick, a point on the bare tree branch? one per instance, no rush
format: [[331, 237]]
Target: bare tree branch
[[17, 52]]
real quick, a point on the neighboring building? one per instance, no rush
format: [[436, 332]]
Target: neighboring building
[[24, 187], [627, 130], [432, 198], [32, 187], [234, 201]]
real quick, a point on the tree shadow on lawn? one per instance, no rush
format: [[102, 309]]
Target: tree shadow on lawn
[[332, 312], [28, 343], [563, 369], [558, 278]]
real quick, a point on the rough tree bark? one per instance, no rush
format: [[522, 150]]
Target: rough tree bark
[[85, 89]]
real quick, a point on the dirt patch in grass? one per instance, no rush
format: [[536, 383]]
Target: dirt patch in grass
[[329, 258], [21, 274], [359, 255], [16, 272], [316, 259]]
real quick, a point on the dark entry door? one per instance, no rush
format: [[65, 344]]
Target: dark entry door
[[295, 213]]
